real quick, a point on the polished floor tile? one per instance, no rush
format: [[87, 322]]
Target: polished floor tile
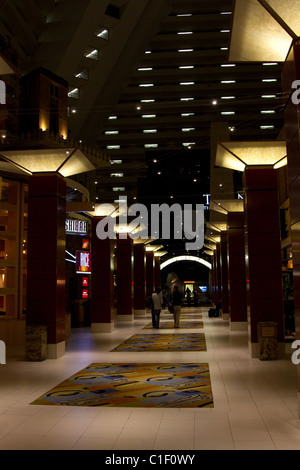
[[255, 402]]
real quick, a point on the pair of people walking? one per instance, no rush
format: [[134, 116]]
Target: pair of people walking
[[176, 304]]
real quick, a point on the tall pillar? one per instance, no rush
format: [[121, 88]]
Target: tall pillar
[[224, 275], [219, 284], [46, 259], [139, 278], [214, 278], [102, 283], [125, 264], [291, 72], [237, 271], [263, 254], [150, 278], [157, 276]]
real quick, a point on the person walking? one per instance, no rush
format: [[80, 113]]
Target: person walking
[[156, 309], [177, 299]]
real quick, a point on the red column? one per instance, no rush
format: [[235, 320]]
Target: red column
[[139, 278], [125, 278], [224, 275], [291, 72], [46, 259], [263, 254], [214, 278], [157, 277], [219, 284], [102, 282], [150, 279], [237, 271]]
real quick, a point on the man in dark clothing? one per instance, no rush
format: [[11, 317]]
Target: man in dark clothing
[[177, 303]]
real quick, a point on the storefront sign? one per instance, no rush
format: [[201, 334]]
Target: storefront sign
[[2, 352], [83, 262], [85, 294], [2, 92], [76, 226]]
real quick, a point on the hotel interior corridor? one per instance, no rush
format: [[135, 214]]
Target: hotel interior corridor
[[255, 402]]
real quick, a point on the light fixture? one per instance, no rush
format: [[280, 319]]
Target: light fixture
[[238, 155]]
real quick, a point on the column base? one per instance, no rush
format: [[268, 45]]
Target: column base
[[140, 312], [225, 316], [254, 351], [125, 317], [54, 351], [102, 327], [238, 326]]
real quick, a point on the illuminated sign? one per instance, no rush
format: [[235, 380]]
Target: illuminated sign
[[85, 294], [76, 226], [85, 281], [85, 244], [83, 262], [2, 92]]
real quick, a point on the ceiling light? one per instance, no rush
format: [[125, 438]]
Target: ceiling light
[[268, 111], [227, 113], [268, 96], [147, 101], [228, 65], [270, 63], [145, 85], [144, 69], [185, 50], [184, 14], [187, 83], [187, 67], [185, 32], [214, 102], [267, 127], [267, 80], [187, 99], [228, 81], [187, 114], [148, 116]]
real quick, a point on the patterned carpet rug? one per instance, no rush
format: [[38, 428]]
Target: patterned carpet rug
[[134, 385], [164, 342], [167, 324]]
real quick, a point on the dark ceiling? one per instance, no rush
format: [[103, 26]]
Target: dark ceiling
[[147, 78]]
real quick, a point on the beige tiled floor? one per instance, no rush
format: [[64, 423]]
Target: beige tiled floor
[[255, 402]]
